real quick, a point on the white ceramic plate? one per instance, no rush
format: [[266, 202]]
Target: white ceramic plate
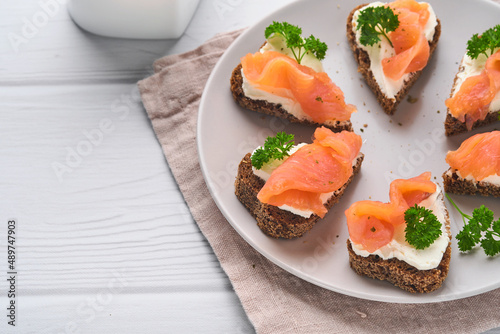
[[404, 145]]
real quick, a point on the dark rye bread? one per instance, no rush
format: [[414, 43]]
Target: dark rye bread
[[453, 126], [400, 273], [388, 104], [272, 220], [456, 185], [274, 109]]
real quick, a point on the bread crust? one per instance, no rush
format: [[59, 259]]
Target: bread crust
[[453, 126], [273, 109], [400, 273], [456, 185], [272, 220], [389, 105]]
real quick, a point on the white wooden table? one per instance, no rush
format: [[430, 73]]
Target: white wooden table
[[104, 241]]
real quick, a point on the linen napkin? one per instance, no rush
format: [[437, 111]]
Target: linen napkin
[[275, 300]]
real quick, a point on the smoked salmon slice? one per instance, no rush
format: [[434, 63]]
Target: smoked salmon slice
[[478, 156], [281, 75], [406, 193], [317, 168], [420, 8], [372, 223], [412, 191], [471, 102], [411, 47]]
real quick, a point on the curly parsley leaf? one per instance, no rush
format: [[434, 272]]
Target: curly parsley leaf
[[376, 21], [316, 47], [276, 147], [490, 245], [483, 217], [294, 41], [479, 229], [485, 43], [422, 227], [468, 238], [496, 226]]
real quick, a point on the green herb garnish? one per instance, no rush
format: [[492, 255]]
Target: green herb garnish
[[422, 227], [294, 41], [487, 42], [274, 148], [376, 21], [480, 228]]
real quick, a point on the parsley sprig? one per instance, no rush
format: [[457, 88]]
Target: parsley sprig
[[485, 43], [479, 229], [276, 147], [422, 227], [376, 21], [294, 41]]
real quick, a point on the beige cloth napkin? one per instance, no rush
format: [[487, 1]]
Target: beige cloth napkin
[[274, 300]]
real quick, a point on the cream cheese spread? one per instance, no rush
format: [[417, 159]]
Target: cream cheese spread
[[266, 170], [492, 179], [278, 44], [287, 103], [470, 67], [383, 49], [422, 259]]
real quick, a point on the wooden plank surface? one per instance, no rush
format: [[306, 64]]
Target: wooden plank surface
[[105, 241]]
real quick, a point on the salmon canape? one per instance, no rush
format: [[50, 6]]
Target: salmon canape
[[279, 75], [392, 52], [288, 196], [475, 166], [285, 78], [475, 97], [380, 244]]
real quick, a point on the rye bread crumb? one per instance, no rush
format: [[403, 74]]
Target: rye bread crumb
[[400, 273], [456, 185], [389, 105], [272, 220]]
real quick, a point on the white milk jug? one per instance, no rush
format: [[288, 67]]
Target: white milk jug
[[144, 19]]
